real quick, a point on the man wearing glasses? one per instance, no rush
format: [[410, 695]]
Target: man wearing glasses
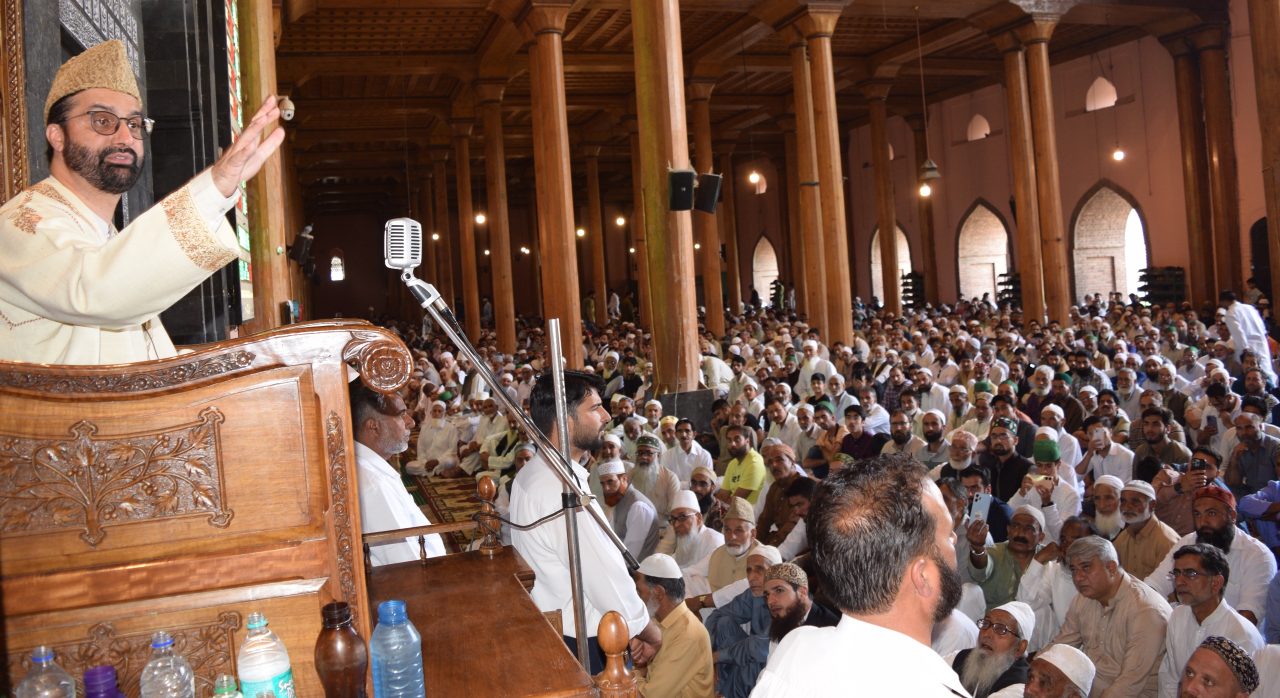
[[73, 289], [1000, 658], [1199, 578]]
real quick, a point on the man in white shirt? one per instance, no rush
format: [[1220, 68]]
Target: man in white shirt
[[1104, 457], [687, 539], [891, 564], [536, 492], [931, 395], [687, 455], [1247, 330], [437, 443], [381, 425], [811, 364], [631, 514], [1200, 579]]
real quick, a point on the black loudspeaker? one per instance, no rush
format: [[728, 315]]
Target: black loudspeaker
[[708, 192], [681, 182]]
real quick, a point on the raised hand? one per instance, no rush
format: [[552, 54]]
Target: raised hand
[[244, 158]]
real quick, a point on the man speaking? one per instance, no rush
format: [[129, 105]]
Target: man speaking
[[73, 289]]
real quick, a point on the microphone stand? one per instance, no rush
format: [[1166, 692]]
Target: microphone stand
[[574, 497]]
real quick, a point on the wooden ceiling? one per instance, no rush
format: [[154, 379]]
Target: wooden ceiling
[[377, 82]]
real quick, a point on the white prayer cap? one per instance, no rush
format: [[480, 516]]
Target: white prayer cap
[[611, 467], [804, 407], [661, 566], [1056, 410], [446, 355], [1048, 431], [1045, 369], [809, 343], [1089, 389], [1111, 481], [1073, 664], [440, 403], [768, 552], [612, 354], [1212, 363], [1032, 512], [958, 389], [1023, 615], [938, 413], [686, 499], [736, 350], [613, 439], [1142, 487], [925, 369], [653, 402]]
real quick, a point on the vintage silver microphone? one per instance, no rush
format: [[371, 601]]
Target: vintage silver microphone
[[402, 249]]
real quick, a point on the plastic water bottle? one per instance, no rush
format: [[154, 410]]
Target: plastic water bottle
[[225, 685], [100, 682], [264, 662], [167, 675], [46, 679], [396, 650]]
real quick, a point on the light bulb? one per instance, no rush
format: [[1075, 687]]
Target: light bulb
[[754, 177], [486, 253], [435, 237], [631, 250], [524, 250], [620, 221], [925, 189], [480, 219], [1117, 154], [581, 233], [697, 245]]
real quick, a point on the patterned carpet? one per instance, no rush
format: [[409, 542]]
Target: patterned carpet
[[446, 500]]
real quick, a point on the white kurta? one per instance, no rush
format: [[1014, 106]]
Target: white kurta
[[386, 505], [1249, 332], [1252, 568], [1048, 590], [73, 291], [955, 633], [682, 463], [438, 440], [1184, 635], [691, 550]]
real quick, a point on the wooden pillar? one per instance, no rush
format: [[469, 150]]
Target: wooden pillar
[[795, 239], [426, 205], [729, 231], [924, 204], [545, 21], [639, 241], [886, 216], [444, 255], [1023, 167], [1220, 137], [466, 228], [1264, 25], [489, 94], [1195, 173], [705, 228], [266, 191], [815, 302], [595, 237], [664, 143], [1053, 241], [817, 26]]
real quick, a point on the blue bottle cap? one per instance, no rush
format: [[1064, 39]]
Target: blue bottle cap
[[161, 640], [43, 653], [256, 620], [392, 611]]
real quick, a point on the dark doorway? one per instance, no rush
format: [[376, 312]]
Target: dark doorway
[[1260, 250]]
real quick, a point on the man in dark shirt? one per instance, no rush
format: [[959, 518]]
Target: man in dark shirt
[[1007, 468]]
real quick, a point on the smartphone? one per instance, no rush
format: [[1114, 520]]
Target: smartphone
[[1211, 422], [1198, 464], [980, 506], [1039, 478]]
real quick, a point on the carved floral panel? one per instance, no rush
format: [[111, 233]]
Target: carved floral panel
[[90, 482]]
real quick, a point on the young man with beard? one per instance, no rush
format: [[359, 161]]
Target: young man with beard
[[800, 497], [683, 669], [1106, 506], [1000, 658], [536, 493], [1117, 620], [830, 436], [631, 514], [1156, 423], [73, 290], [1252, 563], [1145, 540], [655, 482], [998, 568], [1200, 577], [901, 440], [686, 539], [1175, 492], [882, 539], [381, 424], [739, 629], [937, 448], [1255, 459], [786, 593], [744, 473], [1007, 468]]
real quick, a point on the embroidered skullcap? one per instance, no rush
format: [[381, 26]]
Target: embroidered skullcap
[[788, 572], [983, 396], [648, 441], [613, 439], [1218, 493], [1111, 481], [1032, 512], [668, 420], [1022, 615], [1236, 659], [769, 553], [1074, 664], [1046, 451], [1056, 410], [105, 65], [741, 509], [1142, 487], [704, 471], [685, 499], [1008, 423], [660, 566], [778, 448], [611, 467]]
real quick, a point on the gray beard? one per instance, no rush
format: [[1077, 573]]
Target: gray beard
[[1109, 525], [644, 478], [981, 670], [685, 546]]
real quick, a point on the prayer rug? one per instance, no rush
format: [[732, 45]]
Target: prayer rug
[[446, 500]]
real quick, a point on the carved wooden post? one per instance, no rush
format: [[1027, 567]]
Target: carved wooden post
[[705, 226], [1218, 130], [466, 228], [488, 517], [1264, 25], [616, 681], [495, 169], [886, 217], [1195, 171], [815, 300]]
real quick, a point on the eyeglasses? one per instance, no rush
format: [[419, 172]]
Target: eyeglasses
[[106, 123], [699, 483], [998, 628], [1189, 575], [679, 518]]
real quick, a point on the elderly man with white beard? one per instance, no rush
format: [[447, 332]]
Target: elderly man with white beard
[[1106, 506], [437, 444], [686, 539], [1145, 540], [1000, 658], [654, 481], [722, 575]]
